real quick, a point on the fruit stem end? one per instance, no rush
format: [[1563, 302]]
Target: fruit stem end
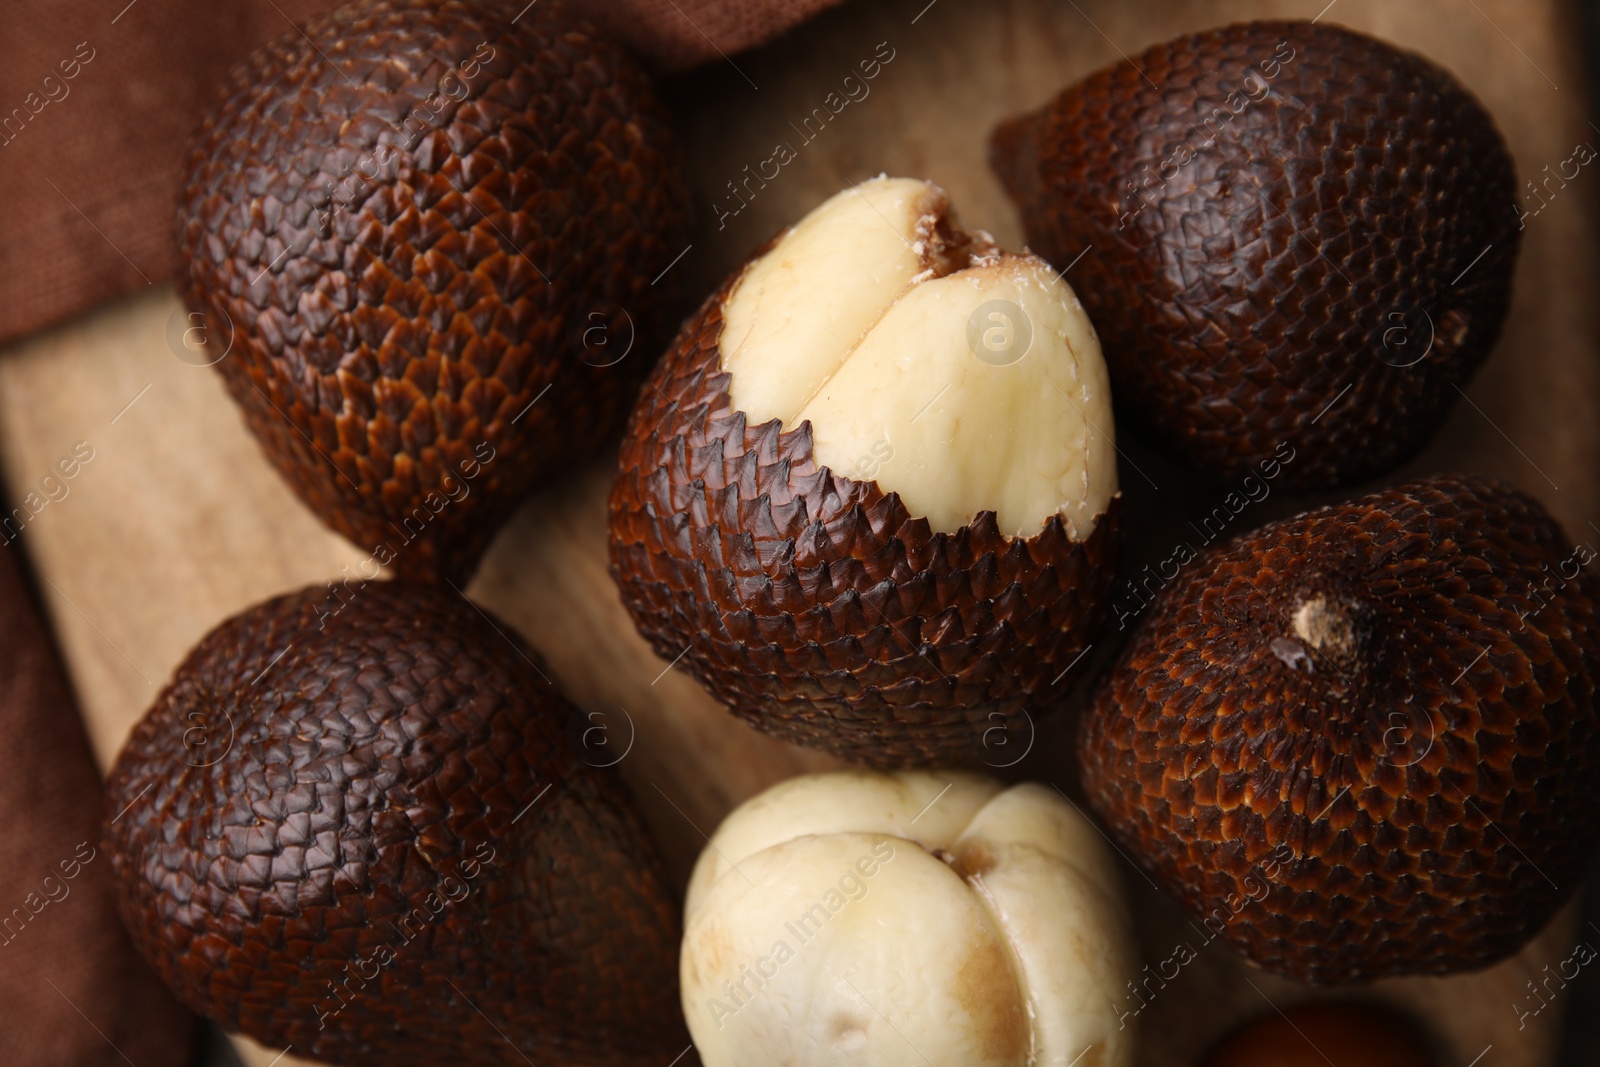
[[1326, 627]]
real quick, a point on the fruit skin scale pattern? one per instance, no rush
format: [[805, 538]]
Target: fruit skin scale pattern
[[412, 238], [810, 603], [1425, 835], [1276, 274], [265, 862]]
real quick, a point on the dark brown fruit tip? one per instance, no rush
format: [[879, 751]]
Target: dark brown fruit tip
[[817, 606], [1289, 233], [1335, 1034], [1362, 742], [425, 237], [356, 827]]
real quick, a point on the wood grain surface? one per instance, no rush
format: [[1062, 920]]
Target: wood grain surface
[[176, 521]]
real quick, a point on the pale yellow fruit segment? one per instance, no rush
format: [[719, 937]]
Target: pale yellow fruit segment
[[802, 958], [884, 919], [1029, 837], [966, 433], [801, 308], [931, 807], [963, 379]]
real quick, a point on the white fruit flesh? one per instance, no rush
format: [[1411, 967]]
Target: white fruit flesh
[[884, 919], [962, 378], [862, 801]]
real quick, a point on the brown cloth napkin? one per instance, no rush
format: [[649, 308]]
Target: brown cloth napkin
[[98, 100], [73, 993]]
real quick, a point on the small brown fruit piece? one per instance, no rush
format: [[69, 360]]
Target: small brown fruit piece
[[1285, 232], [868, 496], [355, 826], [1324, 1035], [1362, 742], [429, 235]]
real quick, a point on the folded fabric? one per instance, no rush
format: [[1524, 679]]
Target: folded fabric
[[98, 102], [75, 992]]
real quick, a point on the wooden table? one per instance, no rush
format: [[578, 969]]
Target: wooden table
[[177, 521]]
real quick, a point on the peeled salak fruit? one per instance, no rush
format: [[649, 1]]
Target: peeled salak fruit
[[869, 495], [1361, 742], [1287, 234], [356, 827], [424, 233], [923, 919]]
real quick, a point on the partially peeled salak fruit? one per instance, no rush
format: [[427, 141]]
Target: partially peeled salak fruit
[[869, 496]]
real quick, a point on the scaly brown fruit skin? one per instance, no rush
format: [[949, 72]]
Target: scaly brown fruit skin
[[1274, 275], [400, 297], [814, 606], [1415, 797], [273, 821]]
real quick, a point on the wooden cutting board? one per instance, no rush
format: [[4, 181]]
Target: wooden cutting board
[[176, 521]]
